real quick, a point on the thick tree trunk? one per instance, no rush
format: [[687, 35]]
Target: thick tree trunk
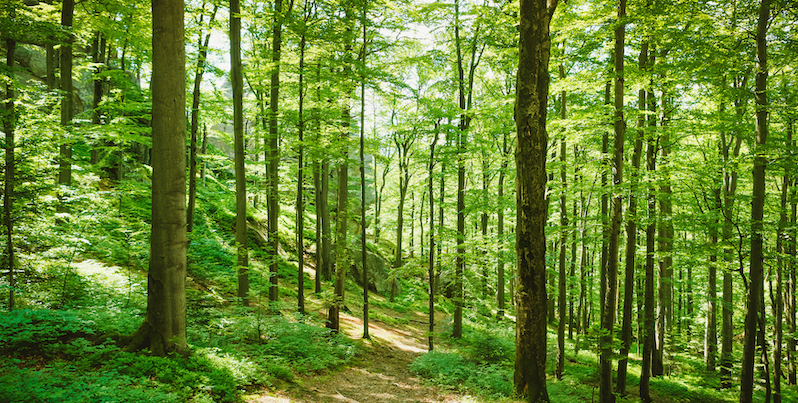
[[9, 127], [164, 327], [532, 92], [755, 291]]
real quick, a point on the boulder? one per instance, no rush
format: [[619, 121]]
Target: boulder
[[379, 277]]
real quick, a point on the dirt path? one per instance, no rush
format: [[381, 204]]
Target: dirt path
[[380, 374]]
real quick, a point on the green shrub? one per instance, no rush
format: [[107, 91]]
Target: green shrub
[[454, 371]]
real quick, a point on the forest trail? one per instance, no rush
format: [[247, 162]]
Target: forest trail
[[380, 373]]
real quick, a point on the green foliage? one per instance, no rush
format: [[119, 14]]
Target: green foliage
[[453, 370]]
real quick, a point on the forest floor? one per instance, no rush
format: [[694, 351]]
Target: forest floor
[[380, 373]]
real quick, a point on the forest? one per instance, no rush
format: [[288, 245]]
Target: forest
[[399, 201]]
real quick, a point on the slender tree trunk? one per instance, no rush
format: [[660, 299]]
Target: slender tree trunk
[[791, 289], [300, 180], [755, 292], [98, 57], [561, 305], [273, 152], [342, 258], [431, 268], [608, 320], [326, 230], [457, 327], [67, 102], [9, 127], [631, 233], [192, 164], [501, 283], [363, 250], [710, 334], [237, 78], [778, 300], [665, 323], [561, 301], [648, 315], [532, 92], [164, 326]]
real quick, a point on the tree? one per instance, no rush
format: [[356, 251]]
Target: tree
[[755, 284], [199, 70], [608, 317], [631, 232], [164, 326], [237, 79], [67, 102], [532, 92]]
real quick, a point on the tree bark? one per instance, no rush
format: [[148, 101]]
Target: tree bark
[[431, 268], [300, 180], [501, 282], [648, 316], [363, 250], [631, 232], [755, 291], [608, 319], [237, 78], [532, 91], [561, 301], [342, 258], [164, 327], [195, 99], [67, 102], [273, 153]]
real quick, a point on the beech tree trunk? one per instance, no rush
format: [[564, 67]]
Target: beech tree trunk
[[67, 102], [273, 152], [164, 327], [755, 288], [532, 93], [631, 233], [237, 78], [195, 99]]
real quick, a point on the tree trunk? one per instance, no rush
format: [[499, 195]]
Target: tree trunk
[[342, 259], [431, 268], [608, 319], [326, 230], [195, 99], [9, 127], [273, 152], [791, 289], [501, 282], [648, 316], [363, 250], [164, 327], [561, 306], [67, 102], [237, 78], [631, 233], [665, 323], [532, 94], [757, 207], [300, 180], [457, 327]]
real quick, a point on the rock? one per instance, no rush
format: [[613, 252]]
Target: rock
[[379, 278]]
